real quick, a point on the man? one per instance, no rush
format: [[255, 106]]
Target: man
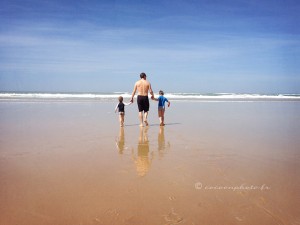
[[143, 87]]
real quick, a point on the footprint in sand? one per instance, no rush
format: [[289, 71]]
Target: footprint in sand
[[172, 218], [172, 198]]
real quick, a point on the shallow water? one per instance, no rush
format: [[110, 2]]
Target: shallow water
[[213, 163]]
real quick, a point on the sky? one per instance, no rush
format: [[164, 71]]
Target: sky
[[203, 46]]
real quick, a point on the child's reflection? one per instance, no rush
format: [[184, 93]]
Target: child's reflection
[[120, 142], [162, 142], [142, 160]]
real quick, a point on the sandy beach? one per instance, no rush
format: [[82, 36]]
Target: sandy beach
[[69, 162]]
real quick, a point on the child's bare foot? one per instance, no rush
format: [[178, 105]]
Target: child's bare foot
[[141, 125], [161, 124], [146, 122]]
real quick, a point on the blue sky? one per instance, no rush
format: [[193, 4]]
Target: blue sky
[[183, 46]]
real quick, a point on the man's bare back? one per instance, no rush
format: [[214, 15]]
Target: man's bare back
[[143, 87]]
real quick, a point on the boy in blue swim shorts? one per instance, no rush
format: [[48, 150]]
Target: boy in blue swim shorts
[[161, 107]]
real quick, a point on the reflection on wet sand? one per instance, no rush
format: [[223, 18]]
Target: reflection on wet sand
[[143, 156], [162, 142], [120, 142], [142, 160]]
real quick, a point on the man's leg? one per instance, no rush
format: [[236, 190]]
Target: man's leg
[[141, 118], [145, 118], [146, 109]]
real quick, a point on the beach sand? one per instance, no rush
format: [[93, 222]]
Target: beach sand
[[69, 162]]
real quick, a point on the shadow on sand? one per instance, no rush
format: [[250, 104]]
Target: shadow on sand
[[151, 125]]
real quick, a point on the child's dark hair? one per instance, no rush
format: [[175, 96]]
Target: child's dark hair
[[120, 99], [161, 92]]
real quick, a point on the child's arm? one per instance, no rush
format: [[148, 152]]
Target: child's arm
[[169, 103], [129, 103], [116, 109], [155, 99]]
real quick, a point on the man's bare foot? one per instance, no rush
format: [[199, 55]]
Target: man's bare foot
[[146, 122], [161, 124], [141, 125]]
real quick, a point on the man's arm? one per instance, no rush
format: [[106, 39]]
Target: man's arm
[[133, 92], [151, 91]]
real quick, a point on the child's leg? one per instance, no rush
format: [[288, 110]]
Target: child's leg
[[123, 118], [163, 117], [120, 119], [160, 117]]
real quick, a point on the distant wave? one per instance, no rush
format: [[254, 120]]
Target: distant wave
[[232, 96], [58, 95], [174, 96]]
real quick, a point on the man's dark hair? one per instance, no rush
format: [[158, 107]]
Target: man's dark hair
[[142, 75]]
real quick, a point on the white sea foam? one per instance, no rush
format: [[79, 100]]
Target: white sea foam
[[126, 95], [58, 95], [231, 96]]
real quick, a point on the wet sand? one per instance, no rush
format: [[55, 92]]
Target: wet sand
[[213, 163]]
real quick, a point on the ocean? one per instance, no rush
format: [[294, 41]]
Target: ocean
[[112, 96]]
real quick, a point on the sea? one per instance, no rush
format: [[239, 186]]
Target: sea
[[112, 96]]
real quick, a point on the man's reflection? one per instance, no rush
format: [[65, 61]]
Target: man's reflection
[[120, 142], [142, 160]]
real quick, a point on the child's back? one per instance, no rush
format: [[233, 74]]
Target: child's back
[[161, 107]]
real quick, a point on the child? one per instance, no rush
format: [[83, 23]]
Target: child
[[121, 108], [161, 107]]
